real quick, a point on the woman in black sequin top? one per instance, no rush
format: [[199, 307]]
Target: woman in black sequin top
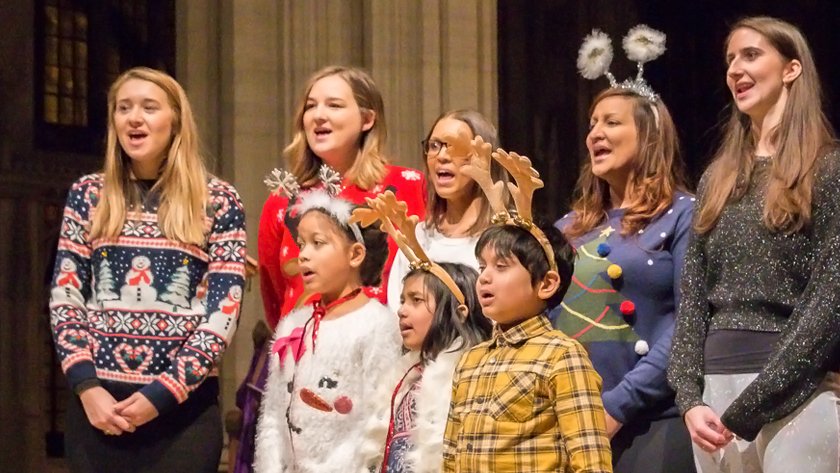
[[759, 321]]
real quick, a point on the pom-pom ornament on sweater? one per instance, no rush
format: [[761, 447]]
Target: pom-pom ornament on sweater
[[603, 250], [614, 271]]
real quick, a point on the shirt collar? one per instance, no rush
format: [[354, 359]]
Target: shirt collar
[[530, 328]]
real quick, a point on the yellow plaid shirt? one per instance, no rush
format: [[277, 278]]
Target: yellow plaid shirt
[[527, 400]]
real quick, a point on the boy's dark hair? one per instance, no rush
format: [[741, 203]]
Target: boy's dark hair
[[376, 248], [510, 240], [447, 323]]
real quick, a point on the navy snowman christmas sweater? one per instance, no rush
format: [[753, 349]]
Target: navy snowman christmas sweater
[[141, 311]]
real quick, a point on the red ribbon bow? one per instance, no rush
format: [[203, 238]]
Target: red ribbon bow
[[319, 310], [293, 341]]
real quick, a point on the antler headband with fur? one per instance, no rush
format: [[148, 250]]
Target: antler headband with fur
[[527, 181], [394, 218]]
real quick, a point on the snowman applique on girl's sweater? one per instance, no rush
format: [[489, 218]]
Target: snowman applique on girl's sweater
[[316, 403], [140, 311]]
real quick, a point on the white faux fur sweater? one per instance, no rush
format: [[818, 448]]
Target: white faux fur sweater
[[325, 392], [432, 406]]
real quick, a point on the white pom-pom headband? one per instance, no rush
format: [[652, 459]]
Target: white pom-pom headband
[[642, 44], [323, 199]]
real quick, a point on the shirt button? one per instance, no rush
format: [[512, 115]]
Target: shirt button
[[492, 361]]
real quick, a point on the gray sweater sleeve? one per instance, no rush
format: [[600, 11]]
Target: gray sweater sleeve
[[810, 342]]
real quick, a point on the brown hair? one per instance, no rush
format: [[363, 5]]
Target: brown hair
[[368, 168], [802, 135], [479, 126], [656, 175], [183, 177]]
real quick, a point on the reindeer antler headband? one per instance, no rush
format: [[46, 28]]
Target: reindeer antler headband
[[527, 181], [280, 180], [394, 218]]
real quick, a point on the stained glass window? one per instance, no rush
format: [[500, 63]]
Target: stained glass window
[[65, 85], [82, 47]]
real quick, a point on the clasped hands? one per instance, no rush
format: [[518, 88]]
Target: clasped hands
[[116, 418]]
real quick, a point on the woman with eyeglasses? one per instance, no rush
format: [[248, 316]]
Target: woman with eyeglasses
[[457, 211]]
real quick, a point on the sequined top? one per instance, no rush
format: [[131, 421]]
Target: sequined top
[[742, 276]]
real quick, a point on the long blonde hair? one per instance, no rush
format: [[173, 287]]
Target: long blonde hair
[[182, 184], [800, 138], [368, 167], [657, 172], [479, 126]]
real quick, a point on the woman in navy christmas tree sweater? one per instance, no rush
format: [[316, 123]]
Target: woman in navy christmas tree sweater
[[630, 227]]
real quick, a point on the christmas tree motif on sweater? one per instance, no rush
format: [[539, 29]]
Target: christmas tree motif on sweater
[[178, 289], [593, 309], [138, 283], [223, 321], [105, 281], [67, 281]]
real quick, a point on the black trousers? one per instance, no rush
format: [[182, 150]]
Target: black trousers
[[186, 440], [659, 446]]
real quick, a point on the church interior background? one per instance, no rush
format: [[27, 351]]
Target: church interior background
[[243, 65]]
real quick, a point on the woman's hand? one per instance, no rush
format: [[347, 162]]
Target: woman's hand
[[136, 409], [613, 426], [706, 429], [832, 381], [99, 408]]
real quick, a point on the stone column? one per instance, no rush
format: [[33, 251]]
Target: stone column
[[430, 56]]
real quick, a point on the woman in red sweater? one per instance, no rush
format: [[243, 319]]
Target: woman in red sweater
[[340, 122]]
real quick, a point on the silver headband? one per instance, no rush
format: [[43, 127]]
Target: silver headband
[[642, 44]]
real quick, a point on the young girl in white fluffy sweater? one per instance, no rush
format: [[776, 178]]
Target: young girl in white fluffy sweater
[[328, 357], [436, 328]]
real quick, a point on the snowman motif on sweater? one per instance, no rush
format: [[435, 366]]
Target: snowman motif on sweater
[[313, 410], [138, 283], [223, 321], [199, 302], [67, 281]]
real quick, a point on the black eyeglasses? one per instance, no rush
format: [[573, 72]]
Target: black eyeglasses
[[432, 148]]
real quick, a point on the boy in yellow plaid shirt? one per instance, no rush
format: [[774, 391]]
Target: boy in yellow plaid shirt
[[527, 400]]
